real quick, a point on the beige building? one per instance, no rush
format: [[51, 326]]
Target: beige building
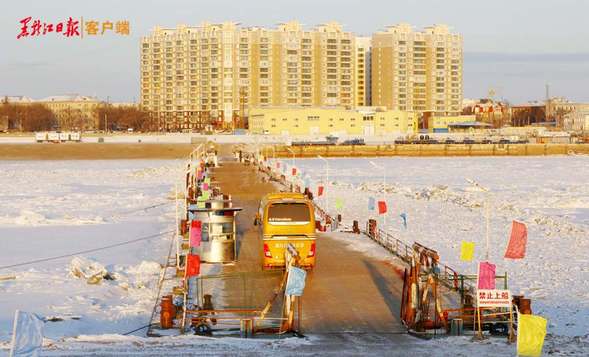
[[331, 121], [442, 124], [417, 71], [214, 73], [73, 112], [362, 75]]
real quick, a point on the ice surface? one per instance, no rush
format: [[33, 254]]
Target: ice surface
[[52, 208], [550, 194]]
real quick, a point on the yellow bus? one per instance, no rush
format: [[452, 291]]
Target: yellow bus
[[283, 218]]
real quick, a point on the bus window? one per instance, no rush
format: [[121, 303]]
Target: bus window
[[289, 213]]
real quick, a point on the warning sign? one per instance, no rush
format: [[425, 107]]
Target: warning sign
[[493, 298]]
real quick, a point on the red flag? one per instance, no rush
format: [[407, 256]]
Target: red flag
[[195, 233], [320, 191], [382, 207], [277, 164], [486, 277], [192, 265], [294, 171], [516, 249]]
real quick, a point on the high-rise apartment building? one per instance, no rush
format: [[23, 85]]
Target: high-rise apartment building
[[363, 80], [214, 73], [417, 71]]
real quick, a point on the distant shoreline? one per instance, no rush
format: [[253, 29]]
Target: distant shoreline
[[93, 151]]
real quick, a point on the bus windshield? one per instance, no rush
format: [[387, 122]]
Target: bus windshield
[[289, 213]]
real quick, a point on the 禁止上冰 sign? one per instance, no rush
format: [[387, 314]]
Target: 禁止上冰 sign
[[493, 298]]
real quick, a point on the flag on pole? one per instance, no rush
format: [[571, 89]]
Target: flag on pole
[[319, 191], [192, 265], [277, 164], [516, 249], [295, 282], [200, 202], [195, 233], [339, 203], [371, 203], [531, 330], [486, 276], [466, 251], [294, 171], [27, 337], [382, 207], [404, 218]]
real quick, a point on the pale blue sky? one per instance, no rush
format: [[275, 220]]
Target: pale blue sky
[[512, 46]]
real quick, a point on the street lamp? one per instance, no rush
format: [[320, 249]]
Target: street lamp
[[487, 210], [326, 182], [384, 183]]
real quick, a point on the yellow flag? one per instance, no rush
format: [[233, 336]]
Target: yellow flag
[[531, 330], [466, 251]]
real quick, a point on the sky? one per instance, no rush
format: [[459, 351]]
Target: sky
[[514, 47]]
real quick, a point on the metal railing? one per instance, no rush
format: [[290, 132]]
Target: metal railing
[[448, 276]]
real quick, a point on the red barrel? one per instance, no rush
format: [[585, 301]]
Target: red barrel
[[525, 306], [167, 312]]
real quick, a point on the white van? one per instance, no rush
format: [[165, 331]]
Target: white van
[[41, 137]]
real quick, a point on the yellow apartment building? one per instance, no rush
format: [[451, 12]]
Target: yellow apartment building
[[417, 71], [331, 121], [212, 74], [362, 75]]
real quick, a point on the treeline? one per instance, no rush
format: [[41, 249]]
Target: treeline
[[33, 117], [122, 118]]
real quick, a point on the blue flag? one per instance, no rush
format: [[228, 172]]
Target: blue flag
[[404, 218], [371, 203], [295, 283]]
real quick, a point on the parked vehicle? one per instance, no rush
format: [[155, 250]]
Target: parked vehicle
[[353, 142], [283, 218], [468, 141]]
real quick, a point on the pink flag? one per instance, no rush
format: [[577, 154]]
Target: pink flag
[[516, 249], [486, 278], [195, 233], [205, 186]]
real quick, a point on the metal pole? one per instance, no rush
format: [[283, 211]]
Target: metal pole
[[487, 213], [488, 219], [177, 228], [384, 183], [326, 182]]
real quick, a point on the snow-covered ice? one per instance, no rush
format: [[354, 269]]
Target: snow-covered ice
[[53, 208], [549, 194]]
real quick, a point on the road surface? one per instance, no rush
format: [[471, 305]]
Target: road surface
[[347, 291]]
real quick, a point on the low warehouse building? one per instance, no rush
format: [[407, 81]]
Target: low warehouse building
[[367, 121]]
